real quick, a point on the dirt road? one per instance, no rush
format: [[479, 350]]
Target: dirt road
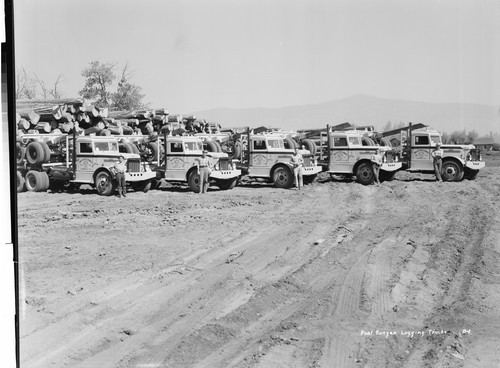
[[337, 275]]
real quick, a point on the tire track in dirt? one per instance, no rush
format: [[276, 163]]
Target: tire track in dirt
[[125, 310]]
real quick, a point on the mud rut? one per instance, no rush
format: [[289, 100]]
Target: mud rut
[[298, 281]]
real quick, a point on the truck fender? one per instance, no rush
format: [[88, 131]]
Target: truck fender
[[110, 172], [188, 174], [290, 166], [356, 165], [458, 160]]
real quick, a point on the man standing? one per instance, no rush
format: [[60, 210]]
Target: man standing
[[437, 156], [120, 169], [203, 169], [297, 162], [376, 160]]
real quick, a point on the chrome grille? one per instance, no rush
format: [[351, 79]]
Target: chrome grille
[[134, 166]]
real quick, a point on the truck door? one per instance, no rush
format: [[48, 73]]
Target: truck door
[[177, 161], [421, 158], [85, 162], [260, 163], [339, 155]]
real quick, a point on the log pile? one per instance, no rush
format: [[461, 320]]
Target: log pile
[[74, 115]]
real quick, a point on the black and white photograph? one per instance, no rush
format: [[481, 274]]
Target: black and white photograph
[[255, 184]]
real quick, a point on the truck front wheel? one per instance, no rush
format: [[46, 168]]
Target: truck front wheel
[[104, 184], [452, 171], [283, 177], [226, 184], [194, 181], [364, 174], [141, 186]]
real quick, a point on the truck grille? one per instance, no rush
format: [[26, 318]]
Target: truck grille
[[224, 164], [391, 157], [307, 161], [134, 166], [474, 155]]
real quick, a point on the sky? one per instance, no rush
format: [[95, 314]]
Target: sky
[[191, 55]]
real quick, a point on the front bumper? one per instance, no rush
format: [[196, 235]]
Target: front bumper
[[475, 165], [311, 170], [391, 166], [225, 174]]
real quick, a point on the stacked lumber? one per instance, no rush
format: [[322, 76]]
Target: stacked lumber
[[76, 115]]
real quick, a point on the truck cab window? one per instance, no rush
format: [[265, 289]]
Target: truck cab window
[[353, 141], [85, 147], [259, 145], [435, 139], [176, 147], [275, 143], [421, 140], [101, 146], [340, 142]]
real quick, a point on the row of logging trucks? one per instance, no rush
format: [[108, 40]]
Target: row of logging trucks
[[67, 161]]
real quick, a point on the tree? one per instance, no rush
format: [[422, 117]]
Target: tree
[[98, 77], [127, 96], [471, 137], [387, 127], [46, 92], [25, 85]]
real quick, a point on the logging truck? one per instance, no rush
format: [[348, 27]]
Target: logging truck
[[266, 156], [416, 146], [61, 161], [349, 153], [176, 162]]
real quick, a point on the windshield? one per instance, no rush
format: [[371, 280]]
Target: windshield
[[193, 146], [276, 143], [436, 139], [106, 146], [354, 141]]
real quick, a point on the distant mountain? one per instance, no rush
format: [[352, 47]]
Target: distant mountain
[[363, 110]]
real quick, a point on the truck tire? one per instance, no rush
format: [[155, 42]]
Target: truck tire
[[387, 175], [365, 141], [141, 186], [283, 177], [309, 179], [385, 142], [104, 183], [288, 143], [364, 173], [45, 181], [237, 149], [133, 148], [34, 181], [452, 171], [471, 174], [20, 153], [310, 146], [35, 153], [226, 184], [151, 152], [194, 181], [21, 183], [212, 146], [46, 151]]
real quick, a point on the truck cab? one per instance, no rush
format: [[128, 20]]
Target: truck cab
[[459, 160], [178, 163], [265, 156], [90, 160], [348, 156]]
